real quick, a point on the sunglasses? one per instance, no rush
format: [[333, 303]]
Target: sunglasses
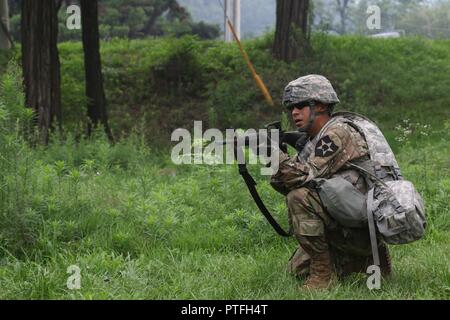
[[299, 106]]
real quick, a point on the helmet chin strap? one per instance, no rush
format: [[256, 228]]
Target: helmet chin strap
[[312, 117]]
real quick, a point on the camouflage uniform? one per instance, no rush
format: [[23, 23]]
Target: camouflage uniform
[[324, 156], [307, 217]]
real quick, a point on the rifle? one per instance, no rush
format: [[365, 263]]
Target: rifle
[[295, 139]]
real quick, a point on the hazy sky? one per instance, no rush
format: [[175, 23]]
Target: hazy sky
[[257, 15]]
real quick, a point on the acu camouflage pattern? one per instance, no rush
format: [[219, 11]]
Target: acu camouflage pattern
[[309, 88], [297, 171], [315, 230], [382, 160], [344, 263], [399, 212], [398, 208], [312, 226]]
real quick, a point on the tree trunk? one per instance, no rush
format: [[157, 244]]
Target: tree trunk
[[291, 29], [5, 37], [96, 106], [343, 21], [150, 25], [342, 8], [157, 10], [40, 62]]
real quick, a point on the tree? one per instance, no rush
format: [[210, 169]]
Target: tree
[[155, 9], [40, 63], [426, 20], [291, 28], [96, 106], [140, 17], [342, 7], [5, 37]]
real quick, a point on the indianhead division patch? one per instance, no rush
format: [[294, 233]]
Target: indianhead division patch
[[325, 147]]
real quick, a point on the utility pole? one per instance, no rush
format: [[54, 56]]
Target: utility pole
[[5, 38], [233, 12], [237, 18]]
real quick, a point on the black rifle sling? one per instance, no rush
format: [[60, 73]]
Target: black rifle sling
[[251, 184]]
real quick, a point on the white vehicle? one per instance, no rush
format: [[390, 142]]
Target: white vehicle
[[393, 34]]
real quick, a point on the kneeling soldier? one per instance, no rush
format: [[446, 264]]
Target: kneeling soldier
[[325, 245]]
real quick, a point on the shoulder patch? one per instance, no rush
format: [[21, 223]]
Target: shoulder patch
[[325, 147]]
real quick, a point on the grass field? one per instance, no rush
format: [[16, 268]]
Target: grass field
[[139, 227]]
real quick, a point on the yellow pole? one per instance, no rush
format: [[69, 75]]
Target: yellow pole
[[256, 77]]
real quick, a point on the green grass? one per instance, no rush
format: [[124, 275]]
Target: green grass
[[170, 82], [140, 227]]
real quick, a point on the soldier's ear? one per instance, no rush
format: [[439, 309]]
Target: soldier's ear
[[321, 108]]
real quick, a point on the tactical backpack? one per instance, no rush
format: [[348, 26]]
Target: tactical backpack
[[393, 209]]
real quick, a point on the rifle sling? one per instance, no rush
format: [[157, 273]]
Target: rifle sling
[[251, 184]]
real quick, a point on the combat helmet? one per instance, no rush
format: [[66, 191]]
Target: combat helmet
[[309, 88]]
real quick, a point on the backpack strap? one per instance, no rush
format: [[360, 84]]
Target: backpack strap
[[372, 231], [370, 177], [371, 180]]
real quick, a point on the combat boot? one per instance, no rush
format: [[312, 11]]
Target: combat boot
[[357, 264], [299, 263], [320, 271]]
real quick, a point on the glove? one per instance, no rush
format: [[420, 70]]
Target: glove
[[295, 139]]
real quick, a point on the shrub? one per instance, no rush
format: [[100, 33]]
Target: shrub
[[18, 220]]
